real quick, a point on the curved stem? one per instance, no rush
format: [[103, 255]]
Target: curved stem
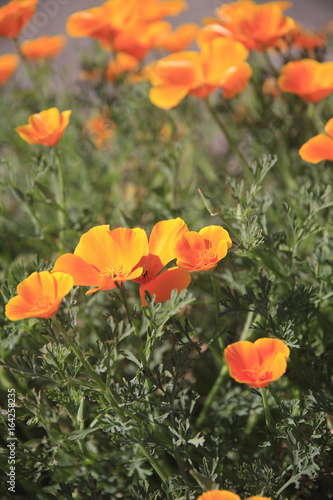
[[266, 409], [229, 138], [212, 395]]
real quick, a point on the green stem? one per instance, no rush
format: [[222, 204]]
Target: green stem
[[266, 409], [212, 395], [217, 308], [247, 325], [61, 196], [110, 398], [229, 138]]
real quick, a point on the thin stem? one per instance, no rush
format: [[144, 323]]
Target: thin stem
[[266, 409], [212, 395], [247, 325], [229, 138], [217, 306], [61, 195]]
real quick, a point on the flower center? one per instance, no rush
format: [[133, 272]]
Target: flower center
[[42, 302]]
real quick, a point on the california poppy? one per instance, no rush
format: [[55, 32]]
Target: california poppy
[[256, 26], [131, 27], [104, 257], [219, 64], [225, 495], [307, 78], [45, 128], [161, 251], [44, 47], [15, 15], [320, 147], [203, 250], [306, 39], [101, 130], [122, 64], [257, 364], [39, 296], [179, 39], [8, 65]]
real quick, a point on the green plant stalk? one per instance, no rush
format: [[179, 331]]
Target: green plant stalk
[[61, 200], [110, 398], [229, 138], [266, 409], [212, 395], [217, 308]]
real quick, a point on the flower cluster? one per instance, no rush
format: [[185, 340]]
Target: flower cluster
[[105, 259]]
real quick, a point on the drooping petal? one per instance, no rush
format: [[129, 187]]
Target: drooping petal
[[83, 274], [219, 495], [164, 283], [167, 97], [317, 148]]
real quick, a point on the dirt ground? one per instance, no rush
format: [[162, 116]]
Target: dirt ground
[[52, 16]]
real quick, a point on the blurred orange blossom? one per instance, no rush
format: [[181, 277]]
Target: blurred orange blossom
[[45, 128], [44, 47], [132, 26], [219, 64], [257, 364], [309, 79], [256, 26], [203, 250], [161, 251], [104, 257], [39, 296], [320, 147], [15, 15], [8, 65], [225, 495]]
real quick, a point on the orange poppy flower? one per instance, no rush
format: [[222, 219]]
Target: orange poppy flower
[[203, 250], [104, 257], [320, 147], [219, 64], [257, 364], [179, 39], [101, 129], [39, 296], [225, 495], [256, 26], [45, 128], [8, 65], [122, 64], [129, 26], [307, 78], [44, 47], [15, 15], [306, 39], [161, 251]]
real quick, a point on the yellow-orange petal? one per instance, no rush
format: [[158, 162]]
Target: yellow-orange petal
[[317, 149], [235, 80], [241, 357], [219, 56], [329, 128], [8, 65], [163, 238], [15, 15], [219, 495], [39, 296], [168, 96], [164, 283], [179, 39], [45, 128], [44, 47], [83, 273], [257, 497], [268, 349]]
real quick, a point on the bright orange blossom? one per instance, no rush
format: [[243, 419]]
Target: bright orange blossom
[[39, 296], [203, 250], [161, 251], [219, 64], [8, 65], [307, 78], [320, 147], [15, 15], [225, 495], [45, 128], [104, 257], [257, 364], [44, 47], [256, 26]]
